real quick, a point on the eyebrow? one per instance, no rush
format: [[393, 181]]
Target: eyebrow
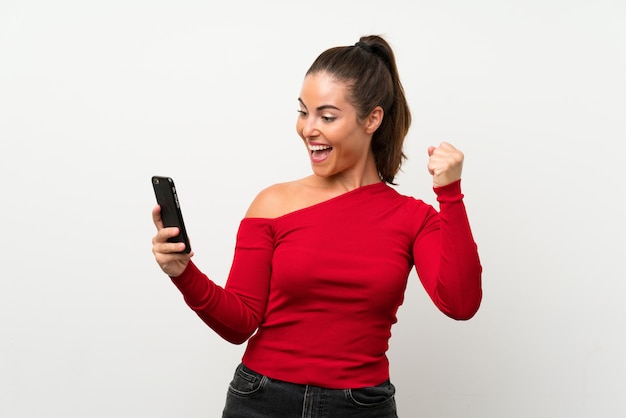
[[319, 108]]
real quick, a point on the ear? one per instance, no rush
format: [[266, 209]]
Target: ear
[[374, 119]]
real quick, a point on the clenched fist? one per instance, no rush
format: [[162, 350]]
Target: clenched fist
[[445, 164]]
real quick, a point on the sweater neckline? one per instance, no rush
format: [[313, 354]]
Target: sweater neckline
[[362, 189]]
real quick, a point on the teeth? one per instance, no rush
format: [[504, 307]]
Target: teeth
[[319, 147]]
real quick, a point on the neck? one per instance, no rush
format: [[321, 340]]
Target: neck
[[351, 179]]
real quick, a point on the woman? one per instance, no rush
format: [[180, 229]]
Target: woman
[[321, 263]]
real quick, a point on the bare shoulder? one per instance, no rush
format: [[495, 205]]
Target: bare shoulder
[[283, 198], [274, 201]]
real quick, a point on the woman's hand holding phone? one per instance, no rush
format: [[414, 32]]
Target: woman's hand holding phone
[[169, 255]]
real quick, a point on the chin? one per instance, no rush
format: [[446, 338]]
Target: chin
[[321, 173]]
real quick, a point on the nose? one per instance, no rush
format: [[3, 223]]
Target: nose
[[308, 127]]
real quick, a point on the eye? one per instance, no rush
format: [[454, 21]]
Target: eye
[[302, 113], [328, 119]]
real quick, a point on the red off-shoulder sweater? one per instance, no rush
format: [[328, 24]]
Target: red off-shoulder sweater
[[318, 289]]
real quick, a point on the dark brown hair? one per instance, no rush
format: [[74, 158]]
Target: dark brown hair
[[369, 70]]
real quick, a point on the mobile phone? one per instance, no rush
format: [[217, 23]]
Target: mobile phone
[[171, 214]]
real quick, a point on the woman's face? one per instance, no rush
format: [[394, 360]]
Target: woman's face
[[327, 123]]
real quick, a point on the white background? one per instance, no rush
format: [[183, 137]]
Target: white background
[[95, 97]]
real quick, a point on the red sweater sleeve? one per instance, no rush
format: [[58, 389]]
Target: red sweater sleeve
[[236, 310], [446, 256]]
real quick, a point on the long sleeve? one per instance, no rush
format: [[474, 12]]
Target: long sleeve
[[235, 310], [446, 256]]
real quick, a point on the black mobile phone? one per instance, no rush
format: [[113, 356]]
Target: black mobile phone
[[171, 214]]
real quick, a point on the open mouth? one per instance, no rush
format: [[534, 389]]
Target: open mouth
[[319, 152]]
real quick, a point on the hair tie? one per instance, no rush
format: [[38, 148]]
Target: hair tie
[[365, 47]]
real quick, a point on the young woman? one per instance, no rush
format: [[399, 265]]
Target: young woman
[[321, 263]]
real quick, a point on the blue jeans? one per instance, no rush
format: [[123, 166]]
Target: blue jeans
[[253, 395]]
